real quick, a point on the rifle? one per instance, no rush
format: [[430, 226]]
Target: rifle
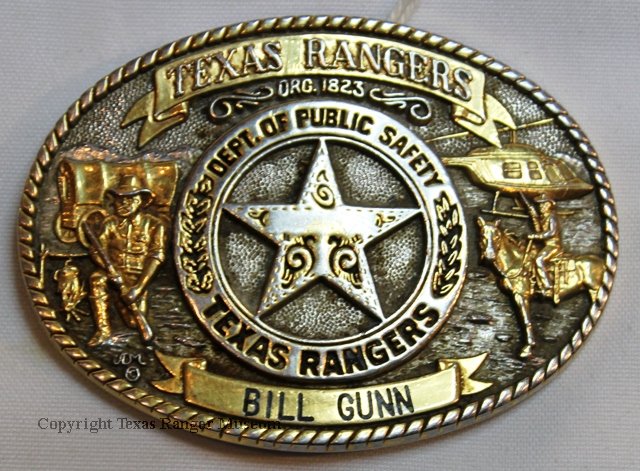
[[117, 280], [535, 217]]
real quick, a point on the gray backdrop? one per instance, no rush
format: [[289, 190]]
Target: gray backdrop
[[585, 53]]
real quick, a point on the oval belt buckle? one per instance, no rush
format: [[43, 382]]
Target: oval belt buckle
[[317, 234]]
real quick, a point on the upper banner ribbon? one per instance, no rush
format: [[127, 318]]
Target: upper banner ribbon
[[320, 406], [326, 54]]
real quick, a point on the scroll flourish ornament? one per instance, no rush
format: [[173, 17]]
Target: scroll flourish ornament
[[223, 107], [298, 260], [323, 195], [344, 260], [418, 108]]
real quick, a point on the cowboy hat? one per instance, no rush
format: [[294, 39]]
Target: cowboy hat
[[129, 185], [543, 198]]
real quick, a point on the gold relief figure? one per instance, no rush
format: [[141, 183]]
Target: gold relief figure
[[538, 266], [547, 230], [70, 289], [518, 265], [128, 248], [83, 179]]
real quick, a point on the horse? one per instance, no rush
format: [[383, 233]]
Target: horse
[[515, 264]]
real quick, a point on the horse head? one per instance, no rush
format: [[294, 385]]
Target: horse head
[[489, 237]]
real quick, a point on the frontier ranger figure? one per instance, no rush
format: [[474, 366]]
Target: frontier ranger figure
[[130, 248], [545, 223]]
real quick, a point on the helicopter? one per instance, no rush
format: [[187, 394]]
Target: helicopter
[[519, 170]]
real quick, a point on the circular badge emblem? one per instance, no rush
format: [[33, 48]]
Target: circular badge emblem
[[335, 241], [317, 234]]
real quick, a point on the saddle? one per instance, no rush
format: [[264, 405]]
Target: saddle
[[564, 270], [563, 273]]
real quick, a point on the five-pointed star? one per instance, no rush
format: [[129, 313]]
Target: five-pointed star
[[321, 237]]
